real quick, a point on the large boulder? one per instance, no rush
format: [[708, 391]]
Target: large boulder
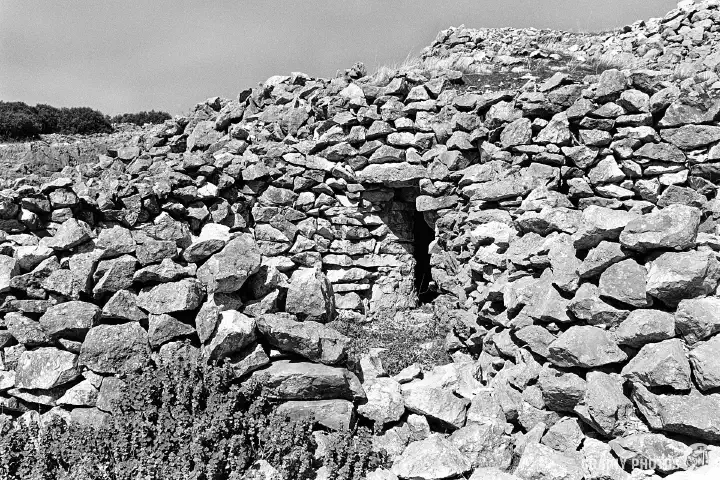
[[674, 227], [662, 364], [698, 318], [605, 407], [645, 326], [234, 332], [227, 270], [70, 320], [434, 458], [585, 347], [45, 368], [310, 339], [287, 380], [674, 276], [310, 295], [115, 348], [171, 297]]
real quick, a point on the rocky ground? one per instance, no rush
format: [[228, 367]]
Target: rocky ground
[[574, 258]]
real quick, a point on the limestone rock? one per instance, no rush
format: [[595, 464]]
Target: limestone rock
[[486, 445], [600, 258], [115, 348], [123, 306], [165, 328], [645, 326], [235, 331], [676, 276], [310, 339], [605, 406], [600, 223], [565, 436], [26, 331], [705, 360], [434, 458], [84, 394], [70, 234], [9, 267], [653, 451], [585, 347], [625, 282], [70, 319], [309, 381], [598, 463], [662, 364], [436, 403], [540, 462], [171, 297], [310, 295], [45, 368], [227, 270], [385, 403], [561, 391], [674, 227], [698, 318]]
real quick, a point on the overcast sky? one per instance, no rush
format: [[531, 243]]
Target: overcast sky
[[130, 55]]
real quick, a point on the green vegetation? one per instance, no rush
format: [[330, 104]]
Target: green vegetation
[[179, 420], [19, 121], [141, 118]]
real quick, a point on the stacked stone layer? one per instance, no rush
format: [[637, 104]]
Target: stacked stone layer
[[575, 252]]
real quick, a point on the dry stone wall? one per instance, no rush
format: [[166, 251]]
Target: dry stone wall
[[575, 251]]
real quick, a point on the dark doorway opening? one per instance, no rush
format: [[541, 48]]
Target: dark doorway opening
[[423, 235]]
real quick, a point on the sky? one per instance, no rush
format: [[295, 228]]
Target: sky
[[132, 55]]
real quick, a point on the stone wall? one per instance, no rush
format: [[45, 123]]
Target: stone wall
[[575, 230]]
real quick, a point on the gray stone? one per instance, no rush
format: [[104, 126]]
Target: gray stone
[[651, 451], [171, 297], [436, 403], [69, 234], [600, 258], [70, 320], [45, 368], [385, 401], [84, 394], [310, 295], [227, 270], [247, 361], [110, 394], [9, 267], [26, 331], [585, 347], [690, 137], [115, 241], [123, 306], [674, 227], [166, 328], [119, 276], [698, 318], [660, 152], [115, 348], [645, 326], [434, 458], [234, 332], [598, 463], [600, 223], [675, 276], [662, 364], [287, 380], [605, 407], [486, 445], [518, 132], [492, 473], [565, 436], [557, 131], [705, 360], [166, 271], [587, 306], [625, 282], [309, 339], [540, 462], [561, 391], [332, 414], [392, 174]]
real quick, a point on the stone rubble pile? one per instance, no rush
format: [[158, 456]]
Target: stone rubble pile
[[683, 42], [575, 246]]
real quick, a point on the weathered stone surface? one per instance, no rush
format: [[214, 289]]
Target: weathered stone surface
[[171, 297], [698, 318], [689, 137], [434, 458], [392, 174], [9, 267], [600, 223], [310, 339], [26, 331], [115, 348], [123, 306], [70, 319], [310, 295], [385, 403], [662, 364], [332, 414], [676, 276], [565, 436], [517, 132], [650, 451], [625, 282], [693, 414], [674, 227], [705, 360], [110, 394], [436, 403], [600, 258], [165, 328], [234, 332], [45, 368], [84, 394], [309, 381], [227, 270], [598, 463], [561, 391], [586, 347], [486, 445], [645, 326], [605, 406], [542, 462], [248, 360], [70, 234]]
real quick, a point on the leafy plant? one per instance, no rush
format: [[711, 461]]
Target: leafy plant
[[141, 118]]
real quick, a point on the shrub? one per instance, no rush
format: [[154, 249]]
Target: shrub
[[82, 121], [350, 455], [141, 118], [178, 420], [49, 117], [18, 121]]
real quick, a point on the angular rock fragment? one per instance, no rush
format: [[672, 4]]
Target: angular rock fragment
[[234, 332], [644, 326], [45, 368], [605, 406], [165, 328], [70, 320], [385, 403], [171, 297], [625, 282], [662, 364], [115, 348], [675, 276], [486, 445], [287, 380], [332, 414], [310, 295], [227, 270], [705, 360], [434, 458], [674, 227], [585, 347], [698, 318], [542, 462]]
